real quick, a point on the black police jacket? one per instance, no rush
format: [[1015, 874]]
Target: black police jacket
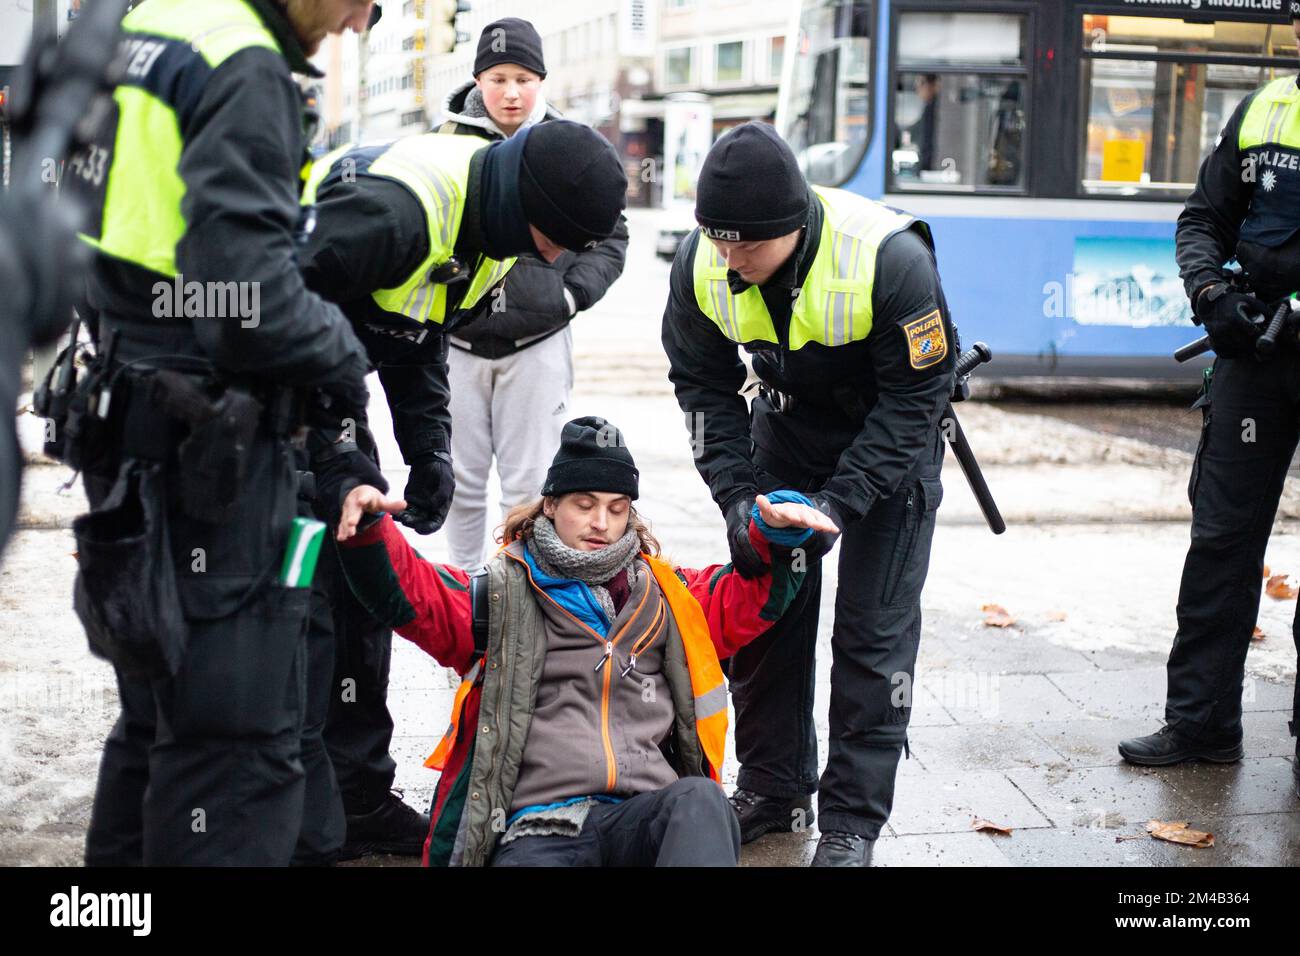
[[861, 415], [1246, 205], [241, 207]]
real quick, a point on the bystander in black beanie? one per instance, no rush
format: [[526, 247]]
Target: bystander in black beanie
[[572, 184], [592, 457], [750, 187], [510, 40]]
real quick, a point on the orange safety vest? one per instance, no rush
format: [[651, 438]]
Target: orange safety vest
[[707, 682]]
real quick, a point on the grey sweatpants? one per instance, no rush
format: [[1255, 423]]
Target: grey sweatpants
[[513, 409]]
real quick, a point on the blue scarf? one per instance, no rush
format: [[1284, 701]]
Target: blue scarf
[[574, 596]]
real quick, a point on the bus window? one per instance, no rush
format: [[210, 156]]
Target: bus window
[[1151, 122], [827, 121], [959, 102]]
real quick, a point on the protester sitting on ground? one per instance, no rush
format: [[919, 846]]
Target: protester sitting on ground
[[590, 724]]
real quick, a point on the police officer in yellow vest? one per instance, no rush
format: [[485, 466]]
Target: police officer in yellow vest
[[1246, 206], [408, 236], [838, 302], [209, 348]]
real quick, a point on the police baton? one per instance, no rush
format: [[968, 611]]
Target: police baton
[[967, 362], [1265, 345]]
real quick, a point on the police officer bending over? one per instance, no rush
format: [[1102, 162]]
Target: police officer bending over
[[838, 301], [209, 343], [409, 236], [1246, 205]]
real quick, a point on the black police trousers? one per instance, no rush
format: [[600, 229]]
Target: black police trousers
[[358, 727], [687, 823], [883, 560], [324, 827], [205, 768], [1251, 426]]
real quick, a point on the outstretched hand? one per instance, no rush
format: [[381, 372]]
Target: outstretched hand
[[792, 515], [365, 500]]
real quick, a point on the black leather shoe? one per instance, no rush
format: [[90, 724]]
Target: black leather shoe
[[842, 849], [392, 828], [1166, 747], [759, 814]]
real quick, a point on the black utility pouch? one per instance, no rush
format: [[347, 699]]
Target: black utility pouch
[[125, 592], [79, 407], [214, 458]]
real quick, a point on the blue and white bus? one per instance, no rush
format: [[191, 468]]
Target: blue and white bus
[[1050, 143]]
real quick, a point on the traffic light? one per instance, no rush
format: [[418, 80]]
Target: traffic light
[[443, 34], [4, 104]]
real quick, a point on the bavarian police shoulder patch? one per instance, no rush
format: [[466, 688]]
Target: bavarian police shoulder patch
[[927, 344]]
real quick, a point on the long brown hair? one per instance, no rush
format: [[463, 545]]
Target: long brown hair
[[519, 524]]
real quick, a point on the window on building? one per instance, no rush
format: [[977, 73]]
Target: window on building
[[729, 62], [1159, 91], [960, 95], [775, 58], [679, 66]]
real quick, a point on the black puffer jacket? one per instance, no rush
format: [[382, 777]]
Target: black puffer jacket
[[539, 299]]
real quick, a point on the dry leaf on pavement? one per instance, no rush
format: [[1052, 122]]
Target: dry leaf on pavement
[[1278, 589], [996, 616], [1180, 832], [987, 826]]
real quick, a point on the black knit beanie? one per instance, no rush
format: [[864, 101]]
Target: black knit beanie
[[572, 184], [510, 40], [592, 457], [750, 187]]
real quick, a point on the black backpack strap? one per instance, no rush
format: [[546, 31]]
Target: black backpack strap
[[478, 601]]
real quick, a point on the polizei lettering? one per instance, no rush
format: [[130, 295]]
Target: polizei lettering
[[103, 909]]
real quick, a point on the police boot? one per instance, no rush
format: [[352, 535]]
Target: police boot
[[392, 827], [759, 814], [835, 848], [1166, 746]]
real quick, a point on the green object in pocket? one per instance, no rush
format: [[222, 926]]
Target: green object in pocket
[[300, 555]]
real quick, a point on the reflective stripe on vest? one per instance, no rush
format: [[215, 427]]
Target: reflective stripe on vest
[[707, 683], [170, 48], [834, 307], [436, 169], [1273, 116], [319, 170]]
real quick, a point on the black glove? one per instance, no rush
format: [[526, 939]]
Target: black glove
[[819, 543], [338, 470], [1228, 318], [744, 557], [428, 494]]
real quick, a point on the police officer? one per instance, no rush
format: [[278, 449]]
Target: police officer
[[409, 236], [209, 344], [1246, 205], [838, 301]]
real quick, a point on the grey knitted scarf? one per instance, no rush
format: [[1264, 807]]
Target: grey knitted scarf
[[593, 568]]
